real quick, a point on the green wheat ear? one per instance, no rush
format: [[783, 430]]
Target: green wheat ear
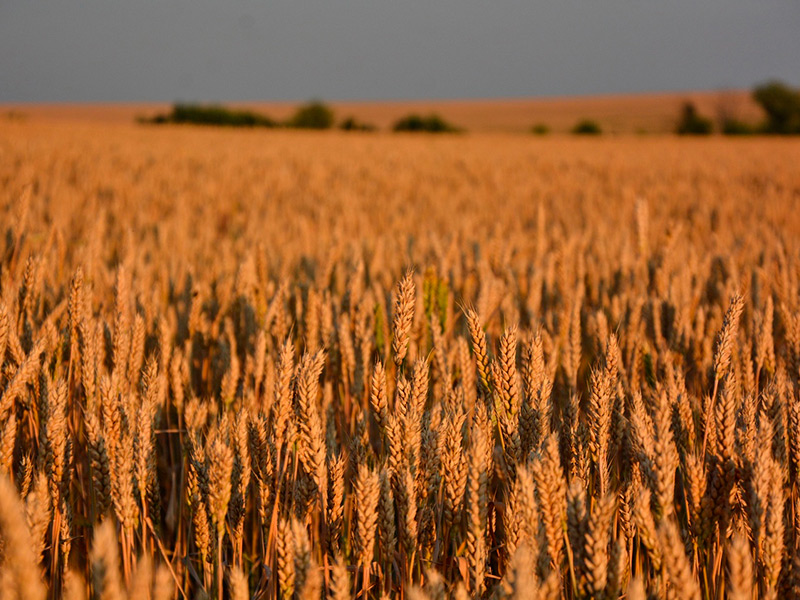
[[380, 328], [429, 293], [442, 293]]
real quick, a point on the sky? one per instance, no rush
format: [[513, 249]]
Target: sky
[[249, 50]]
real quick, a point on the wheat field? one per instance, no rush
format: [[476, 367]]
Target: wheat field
[[320, 365]]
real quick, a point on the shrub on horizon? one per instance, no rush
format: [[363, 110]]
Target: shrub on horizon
[[353, 124], [692, 123], [314, 115], [587, 127], [432, 123]]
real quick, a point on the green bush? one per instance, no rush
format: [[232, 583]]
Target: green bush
[[431, 124], [314, 115], [587, 127], [540, 129], [782, 106], [736, 127], [211, 114], [352, 124], [691, 123]]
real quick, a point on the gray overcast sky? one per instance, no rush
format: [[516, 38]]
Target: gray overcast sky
[[164, 50]]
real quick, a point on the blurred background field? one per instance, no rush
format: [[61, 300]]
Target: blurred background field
[[627, 114]]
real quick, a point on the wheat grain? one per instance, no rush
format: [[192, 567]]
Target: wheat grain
[[218, 366]]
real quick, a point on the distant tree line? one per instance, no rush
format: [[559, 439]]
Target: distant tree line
[[313, 115], [212, 114], [780, 103]]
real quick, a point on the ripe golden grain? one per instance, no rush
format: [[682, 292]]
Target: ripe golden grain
[[248, 373]]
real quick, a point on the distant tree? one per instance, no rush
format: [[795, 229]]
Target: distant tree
[[314, 115], [540, 129], [691, 123], [587, 127], [432, 124], [782, 106]]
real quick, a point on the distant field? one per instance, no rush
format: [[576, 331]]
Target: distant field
[[637, 113]]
